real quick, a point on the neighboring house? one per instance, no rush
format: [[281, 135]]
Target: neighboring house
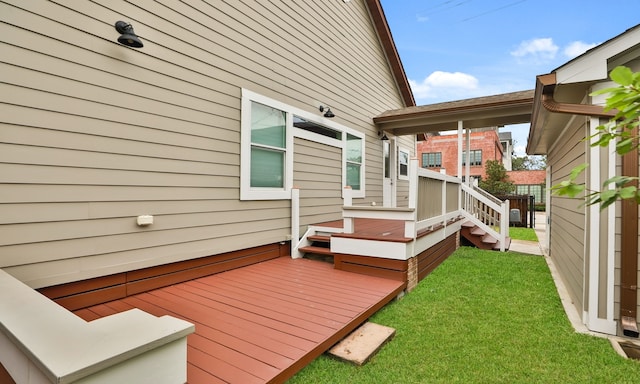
[[440, 153], [595, 251]]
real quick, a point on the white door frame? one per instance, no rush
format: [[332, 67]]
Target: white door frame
[[389, 172]]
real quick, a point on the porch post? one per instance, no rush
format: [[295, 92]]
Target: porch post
[[413, 183], [460, 128], [410, 226], [295, 222], [347, 222], [468, 158]]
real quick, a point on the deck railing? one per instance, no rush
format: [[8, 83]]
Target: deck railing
[[487, 212], [435, 201]]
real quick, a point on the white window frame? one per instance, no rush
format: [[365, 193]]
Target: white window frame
[[402, 150], [251, 193]]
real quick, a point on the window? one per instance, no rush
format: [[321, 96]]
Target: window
[[475, 159], [403, 164], [432, 160], [268, 146], [354, 162], [535, 190], [268, 128]]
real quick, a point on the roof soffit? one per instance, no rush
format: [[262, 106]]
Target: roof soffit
[[497, 110]]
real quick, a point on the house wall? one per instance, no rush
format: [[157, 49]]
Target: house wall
[[93, 134], [317, 171], [567, 215]]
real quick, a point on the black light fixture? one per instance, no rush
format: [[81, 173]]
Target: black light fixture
[[383, 136], [328, 113], [127, 36]]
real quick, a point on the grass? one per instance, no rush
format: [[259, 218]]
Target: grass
[[481, 317], [520, 233]]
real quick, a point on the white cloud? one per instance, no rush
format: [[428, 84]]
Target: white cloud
[[577, 48], [441, 83], [422, 19], [542, 49]]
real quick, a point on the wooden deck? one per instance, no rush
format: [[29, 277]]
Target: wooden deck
[[264, 322]]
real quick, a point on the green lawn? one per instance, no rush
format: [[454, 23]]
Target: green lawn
[[482, 317], [519, 233]]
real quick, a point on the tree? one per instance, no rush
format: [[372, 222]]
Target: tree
[[497, 181], [625, 99], [528, 163]]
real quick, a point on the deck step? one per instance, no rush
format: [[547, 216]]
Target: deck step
[[316, 250], [363, 343], [319, 238]]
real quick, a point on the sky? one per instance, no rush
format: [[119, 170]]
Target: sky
[[459, 49]]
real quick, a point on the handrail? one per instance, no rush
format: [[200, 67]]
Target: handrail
[[487, 212], [436, 199]]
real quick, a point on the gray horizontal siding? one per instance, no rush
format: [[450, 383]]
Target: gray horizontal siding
[[567, 231], [93, 134]]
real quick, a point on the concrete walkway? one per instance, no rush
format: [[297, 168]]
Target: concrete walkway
[[533, 247]]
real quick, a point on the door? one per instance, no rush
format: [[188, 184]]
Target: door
[[389, 170]]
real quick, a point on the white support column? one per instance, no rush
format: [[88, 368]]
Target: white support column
[[468, 158], [595, 289], [460, 132], [410, 226], [504, 225], [348, 222], [413, 183], [295, 222]]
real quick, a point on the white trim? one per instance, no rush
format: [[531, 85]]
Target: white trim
[[593, 65], [248, 193], [595, 322]]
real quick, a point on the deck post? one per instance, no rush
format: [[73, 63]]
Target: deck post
[[413, 183], [295, 222], [410, 226], [348, 222], [504, 225]]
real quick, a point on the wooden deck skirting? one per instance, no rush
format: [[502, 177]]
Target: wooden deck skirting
[[434, 256], [90, 292], [264, 322]]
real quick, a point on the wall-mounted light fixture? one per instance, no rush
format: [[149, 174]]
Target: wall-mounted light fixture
[[328, 113], [127, 36], [382, 135]]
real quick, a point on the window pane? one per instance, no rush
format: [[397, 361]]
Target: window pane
[[354, 149], [267, 168], [403, 160], [353, 176], [267, 126], [387, 160]]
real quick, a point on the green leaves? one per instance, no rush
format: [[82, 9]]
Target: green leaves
[[621, 129]]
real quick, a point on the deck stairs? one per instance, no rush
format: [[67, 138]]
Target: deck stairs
[[481, 239], [319, 247]]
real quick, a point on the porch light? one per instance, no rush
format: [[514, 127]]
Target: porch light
[[382, 135], [328, 113], [127, 36]]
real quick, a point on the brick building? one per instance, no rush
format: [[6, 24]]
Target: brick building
[[441, 152]]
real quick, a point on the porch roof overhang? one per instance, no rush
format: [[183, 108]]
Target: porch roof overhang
[[479, 112]]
